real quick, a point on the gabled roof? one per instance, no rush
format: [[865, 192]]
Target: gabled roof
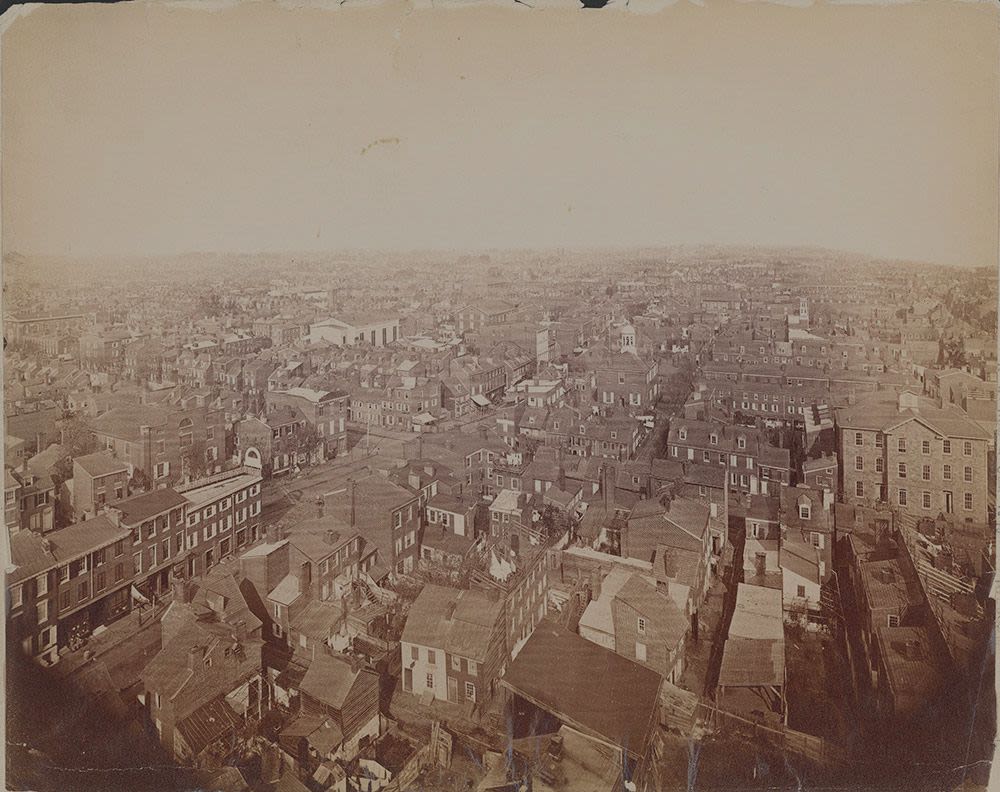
[[329, 679], [751, 662], [669, 624], [320, 537], [458, 621], [100, 464], [170, 673], [881, 412], [558, 671], [32, 553], [124, 422]]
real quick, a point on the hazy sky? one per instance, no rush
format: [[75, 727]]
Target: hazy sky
[[133, 129]]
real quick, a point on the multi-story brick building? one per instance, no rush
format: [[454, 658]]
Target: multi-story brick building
[[485, 378], [98, 479], [65, 584], [483, 313], [624, 380], [221, 516], [395, 405], [155, 522], [324, 410], [386, 515], [753, 465], [34, 496], [333, 552], [157, 439], [11, 505], [919, 458]]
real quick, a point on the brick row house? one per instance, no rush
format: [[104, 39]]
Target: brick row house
[[222, 516], [753, 465], [63, 585], [155, 522], [30, 498]]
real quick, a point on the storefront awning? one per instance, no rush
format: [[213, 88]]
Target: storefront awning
[[481, 400]]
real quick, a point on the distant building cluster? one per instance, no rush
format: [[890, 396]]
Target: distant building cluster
[[379, 525]]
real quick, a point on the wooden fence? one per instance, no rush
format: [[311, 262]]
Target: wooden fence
[[816, 749]]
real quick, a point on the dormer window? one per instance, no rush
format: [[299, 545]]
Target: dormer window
[[682, 433], [805, 511], [713, 439], [741, 442]]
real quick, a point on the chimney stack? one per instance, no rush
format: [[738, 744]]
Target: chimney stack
[[180, 589], [240, 631], [273, 533], [195, 655], [354, 513]]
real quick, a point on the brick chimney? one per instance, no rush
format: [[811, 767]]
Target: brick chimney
[[181, 591], [273, 533], [196, 654]]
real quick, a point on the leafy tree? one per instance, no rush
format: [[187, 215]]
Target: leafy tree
[[62, 470], [952, 353], [553, 521], [306, 440], [77, 437], [140, 481], [193, 460]]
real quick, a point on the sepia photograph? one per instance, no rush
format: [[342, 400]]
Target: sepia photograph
[[499, 395]]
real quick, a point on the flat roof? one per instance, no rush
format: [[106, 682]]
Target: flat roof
[[200, 496]]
